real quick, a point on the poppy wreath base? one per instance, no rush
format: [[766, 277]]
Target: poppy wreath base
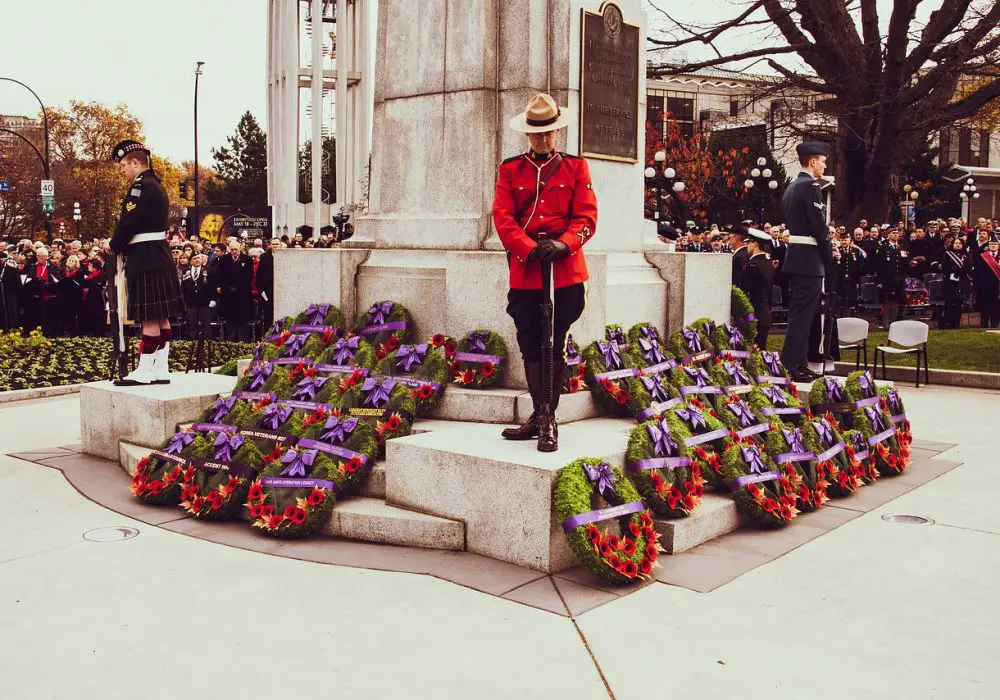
[[159, 481], [811, 491], [904, 430], [333, 317], [640, 399], [767, 504], [386, 340], [348, 474], [757, 367], [622, 558], [705, 453], [842, 474], [738, 348], [217, 494], [720, 376], [241, 415], [467, 369], [292, 512], [392, 420], [678, 346], [742, 310], [427, 382], [761, 405], [670, 493], [576, 368], [865, 461], [610, 394], [891, 457], [364, 356]]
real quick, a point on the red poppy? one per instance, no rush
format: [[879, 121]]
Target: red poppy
[[804, 493], [613, 561], [790, 471], [593, 534], [299, 516], [673, 500], [699, 491], [646, 519], [700, 453], [353, 465], [651, 551], [605, 549], [634, 529], [769, 505], [232, 483], [645, 567], [290, 510], [392, 425], [255, 511], [607, 385], [613, 540], [267, 511], [784, 500], [629, 548], [425, 391], [216, 503], [155, 487], [688, 487], [631, 570], [488, 369], [438, 340], [574, 384], [142, 465], [622, 398], [274, 521], [753, 490], [450, 349], [198, 503], [786, 513], [380, 354], [327, 336], [468, 376], [256, 492], [392, 343], [316, 497], [675, 492], [688, 502]]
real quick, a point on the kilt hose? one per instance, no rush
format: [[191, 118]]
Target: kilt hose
[[154, 295]]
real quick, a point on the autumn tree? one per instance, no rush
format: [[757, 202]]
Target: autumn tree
[[886, 81], [241, 166]]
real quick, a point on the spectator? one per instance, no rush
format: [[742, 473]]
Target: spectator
[[233, 277], [10, 291], [39, 293], [889, 265], [69, 297], [954, 266], [93, 316], [265, 282], [197, 289], [986, 285]]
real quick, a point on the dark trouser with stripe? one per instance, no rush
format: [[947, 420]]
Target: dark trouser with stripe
[[804, 296], [524, 306]]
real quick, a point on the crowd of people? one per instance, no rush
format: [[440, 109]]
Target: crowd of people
[[902, 265], [61, 288]]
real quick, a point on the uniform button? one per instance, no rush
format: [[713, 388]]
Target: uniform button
[[541, 217], [541, 201]]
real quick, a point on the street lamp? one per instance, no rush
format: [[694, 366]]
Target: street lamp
[[45, 161], [197, 74], [77, 217], [967, 194], [665, 181], [760, 173]]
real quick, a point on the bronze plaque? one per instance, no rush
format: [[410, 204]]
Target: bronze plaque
[[609, 86]]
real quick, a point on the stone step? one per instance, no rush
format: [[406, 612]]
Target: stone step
[[372, 520], [508, 406], [715, 517]]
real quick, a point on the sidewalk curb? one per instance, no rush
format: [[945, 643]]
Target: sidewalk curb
[[940, 377], [49, 391]]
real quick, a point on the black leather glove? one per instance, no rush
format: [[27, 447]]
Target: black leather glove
[[550, 250]]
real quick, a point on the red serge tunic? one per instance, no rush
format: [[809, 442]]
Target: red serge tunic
[[564, 207]]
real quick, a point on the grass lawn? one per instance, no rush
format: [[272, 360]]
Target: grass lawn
[[970, 349]]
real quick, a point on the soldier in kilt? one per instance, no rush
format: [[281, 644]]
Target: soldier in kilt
[[154, 294]]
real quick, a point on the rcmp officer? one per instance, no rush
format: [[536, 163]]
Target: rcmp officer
[[756, 279], [154, 294], [544, 210], [809, 254]]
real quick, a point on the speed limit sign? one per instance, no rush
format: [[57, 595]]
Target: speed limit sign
[[48, 188]]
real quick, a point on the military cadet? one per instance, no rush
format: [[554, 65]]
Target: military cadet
[[889, 265], [741, 254], [808, 255], [756, 280], [851, 267], [154, 294], [544, 210]]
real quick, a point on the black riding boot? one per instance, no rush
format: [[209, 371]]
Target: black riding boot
[[529, 429]]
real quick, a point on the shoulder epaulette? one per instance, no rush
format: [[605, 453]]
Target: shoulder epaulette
[[569, 155], [512, 159]]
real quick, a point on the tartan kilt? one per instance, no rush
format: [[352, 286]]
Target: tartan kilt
[[154, 295]]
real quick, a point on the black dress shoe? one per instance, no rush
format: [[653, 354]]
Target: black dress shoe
[[804, 374]]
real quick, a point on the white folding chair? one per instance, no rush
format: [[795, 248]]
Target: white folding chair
[[911, 337], [853, 335]]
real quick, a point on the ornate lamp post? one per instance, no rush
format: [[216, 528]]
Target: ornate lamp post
[[758, 176], [666, 181], [77, 217], [967, 194]]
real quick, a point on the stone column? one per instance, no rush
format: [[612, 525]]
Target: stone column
[[282, 113]]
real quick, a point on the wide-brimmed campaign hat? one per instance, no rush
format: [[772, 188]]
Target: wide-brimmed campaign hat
[[542, 114]]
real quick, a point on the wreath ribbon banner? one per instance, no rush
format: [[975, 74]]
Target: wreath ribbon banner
[[214, 428], [661, 463], [477, 358], [832, 452], [754, 430], [305, 405], [736, 354], [792, 411], [383, 327], [882, 437], [747, 479], [695, 357], [658, 409], [901, 418], [788, 457], [278, 482], [280, 438], [737, 389], [861, 456], [411, 382], [291, 361], [176, 459], [834, 408], [706, 437], [332, 449], [314, 329], [774, 380], [686, 390], [237, 468], [664, 366], [596, 516], [342, 369], [864, 403], [255, 396], [618, 374]]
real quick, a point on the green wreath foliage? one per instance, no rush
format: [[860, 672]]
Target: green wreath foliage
[[576, 368], [395, 418], [614, 331], [759, 403], [857, 447], [823, 393], [767, 504], [679, 347], [240, 415], [728, 338], [610, 394], [852, 386], [217, 494], [618, 559], [292, 512], [670, 493], [891, 457], [348, 475], [718, 372], [385, 341], [842, 474], [741, 307], [158, 481], [892, 402], [479, 375], [333, 317], [646, 346], [811, 492], [319, 343], [707, 453], [726, 408], [364, 356], [432, 369], [757, 367], [641, 398], [644, 329]]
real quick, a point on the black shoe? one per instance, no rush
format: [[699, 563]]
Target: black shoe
[[804, 374], [529, 429]]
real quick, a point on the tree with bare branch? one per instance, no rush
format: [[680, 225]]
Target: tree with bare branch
[[886, 81]]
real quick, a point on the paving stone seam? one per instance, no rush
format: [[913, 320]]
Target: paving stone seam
[[586, 645]]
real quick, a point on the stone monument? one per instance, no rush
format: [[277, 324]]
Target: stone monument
[[448, 77]]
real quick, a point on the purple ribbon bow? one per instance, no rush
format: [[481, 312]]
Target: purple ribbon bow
[[295, 342], [277, 326], [378, 312], [833, 392], [865, 384], [571, 351], [692, 338], [409, 355], [753, 459], [337, 430], [275, 415], [612, 360], [316, 313], [221, 408], [297, 462], [824, 430], [708, 326], [775, 395], [742, 412], [259, 375], [736, 372], [616, 335], [651, 351], [650, 333], [692, 416], [178, 442], [735, 337], [308, 388], [602, 476], [659, 433], [875, 416], [344, 349], [477, 340], [773, 362], [377, 392], [892, 396], [793, 437], [227, 446], [858, 442], [698, 374], [654, 385]]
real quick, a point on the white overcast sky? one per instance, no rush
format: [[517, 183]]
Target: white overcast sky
[[77, 49]]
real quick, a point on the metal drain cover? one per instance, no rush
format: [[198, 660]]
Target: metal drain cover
[[110, 534], [908, 519]]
